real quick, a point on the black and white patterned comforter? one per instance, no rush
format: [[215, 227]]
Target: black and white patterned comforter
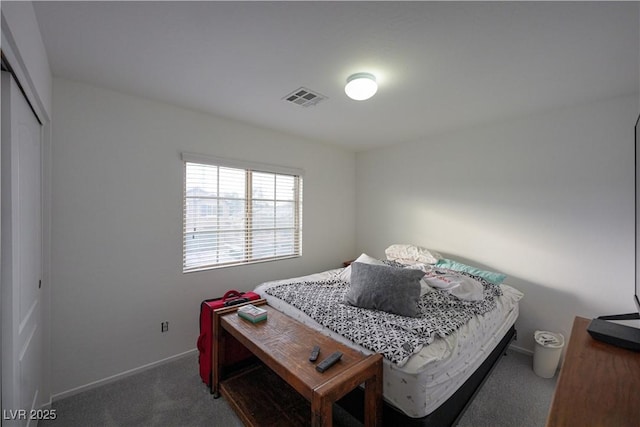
[[395, 337]]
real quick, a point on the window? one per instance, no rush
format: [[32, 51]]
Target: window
[[238, 213]]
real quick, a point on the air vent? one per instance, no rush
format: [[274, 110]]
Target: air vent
[[304, 97]]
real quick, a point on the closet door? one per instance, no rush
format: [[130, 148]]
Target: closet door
[[21, 253]]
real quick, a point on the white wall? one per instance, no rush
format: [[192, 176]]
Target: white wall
[[547, 199], [117, 222]]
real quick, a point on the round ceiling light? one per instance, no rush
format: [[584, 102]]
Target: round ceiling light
[[361, 86]]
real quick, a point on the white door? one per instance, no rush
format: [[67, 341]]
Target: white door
[[22, 336]]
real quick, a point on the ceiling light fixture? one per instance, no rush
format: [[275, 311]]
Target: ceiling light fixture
[[361, 86]]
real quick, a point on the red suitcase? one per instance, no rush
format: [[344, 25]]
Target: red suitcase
[[234, 351]]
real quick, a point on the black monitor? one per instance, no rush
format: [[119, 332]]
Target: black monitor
[[605, 328]]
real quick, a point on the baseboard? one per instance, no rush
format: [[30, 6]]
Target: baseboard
[[520, 350], [125, 374], [122, 375]]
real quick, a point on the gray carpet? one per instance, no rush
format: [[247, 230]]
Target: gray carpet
[[173, 395], [513, 395]]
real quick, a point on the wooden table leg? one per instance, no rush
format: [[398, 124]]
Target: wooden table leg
[[373, 399], [218, 345], [321, 411]]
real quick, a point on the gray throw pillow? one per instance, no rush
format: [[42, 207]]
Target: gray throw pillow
[[380, 287]]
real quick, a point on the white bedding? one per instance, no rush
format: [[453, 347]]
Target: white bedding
[[431, 376]]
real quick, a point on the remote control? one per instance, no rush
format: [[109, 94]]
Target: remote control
[[329, 361], [314, 353]]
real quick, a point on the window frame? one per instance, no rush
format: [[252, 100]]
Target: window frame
[[249, 228]]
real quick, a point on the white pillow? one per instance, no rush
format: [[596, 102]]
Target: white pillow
[[460, 286], [345, 275], [411, 254], [424, 286]]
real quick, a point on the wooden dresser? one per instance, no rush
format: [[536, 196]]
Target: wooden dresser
[[598, 386]]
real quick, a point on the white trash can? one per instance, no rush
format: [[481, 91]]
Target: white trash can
[[547, 353]]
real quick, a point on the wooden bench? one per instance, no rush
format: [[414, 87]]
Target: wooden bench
[[286, 381]]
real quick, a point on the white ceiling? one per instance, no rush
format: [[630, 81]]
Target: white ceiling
[[440, 65]]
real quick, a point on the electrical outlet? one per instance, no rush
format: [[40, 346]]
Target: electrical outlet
[[164, 326]]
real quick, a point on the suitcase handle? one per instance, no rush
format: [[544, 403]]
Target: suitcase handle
[[201, 344], [235, 301], [233, 297], [230, 294]]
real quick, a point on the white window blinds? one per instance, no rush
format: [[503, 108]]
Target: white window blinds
[[237, 215]]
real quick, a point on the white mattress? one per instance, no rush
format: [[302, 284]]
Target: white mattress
[[431, 376]]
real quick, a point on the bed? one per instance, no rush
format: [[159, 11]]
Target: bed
[[427, 381]]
